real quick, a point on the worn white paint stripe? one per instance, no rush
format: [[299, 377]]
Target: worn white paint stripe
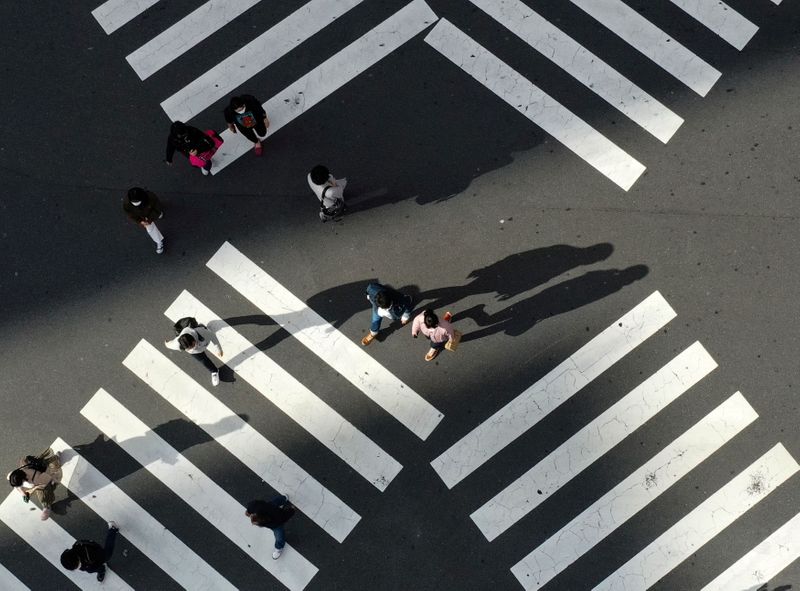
[[332, 74], [764, 562], [539, 107], [245, 443], [700, 525], [350, 360], [654, 43], [159, 544], [50, 540], [530, 407], [721, 19], [595, 439], [238, 68], [113, 14], [185, 34], [195, 488], [584, 66], [776, 1], [289, 395], [634, 493], [8, 582]]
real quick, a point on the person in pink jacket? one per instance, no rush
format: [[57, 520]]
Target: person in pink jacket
[[438, 331]]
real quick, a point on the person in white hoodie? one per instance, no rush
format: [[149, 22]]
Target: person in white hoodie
[[195, 338], [329, 191]]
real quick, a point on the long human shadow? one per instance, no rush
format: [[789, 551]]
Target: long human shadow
[[564, 297]]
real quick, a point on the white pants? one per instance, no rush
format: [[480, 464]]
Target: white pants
[[154, 232]]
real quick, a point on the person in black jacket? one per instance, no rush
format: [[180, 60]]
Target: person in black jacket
[[89, 556], [187, 140], [246, 114], [144, 208], [272, 514]]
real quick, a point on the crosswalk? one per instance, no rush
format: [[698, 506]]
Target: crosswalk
[[351, 449], [547, 112]]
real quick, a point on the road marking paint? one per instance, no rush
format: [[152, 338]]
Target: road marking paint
[[721, 19], [332, 74], [8, 582], [345, 357], [634, 493], [159, 544], [195, 488], [762, 563], [700, 525], [289, 395], [539, 107], [530, 407], [251, 59], [185, 34], [584, 66], [241, 440], [113, 14], [595, 439], [654, 43]]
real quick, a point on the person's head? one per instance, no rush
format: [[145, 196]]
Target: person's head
[[430, 319], [186, 341], [136, 196], [319, 175], [383, 299], [16, 478], [178, 129], [237, 104], [70, 559]]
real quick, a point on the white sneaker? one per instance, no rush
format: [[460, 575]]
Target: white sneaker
[[277, 553], [215, 378], [160, 247], [113, 525], [204, 171]]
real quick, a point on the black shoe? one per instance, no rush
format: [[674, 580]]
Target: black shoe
[[101, 575]]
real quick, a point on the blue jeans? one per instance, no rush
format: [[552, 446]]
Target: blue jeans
[[280, 533]]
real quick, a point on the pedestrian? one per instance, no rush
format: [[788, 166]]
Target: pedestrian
[[198, 146], [144, 208], [329, 191], [90, 556], [386, 303], [440, 332], [246, 114], [272, 514], [37, 476], [195, 338]]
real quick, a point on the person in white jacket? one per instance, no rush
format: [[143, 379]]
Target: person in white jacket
[[329, 191], [195, 340]]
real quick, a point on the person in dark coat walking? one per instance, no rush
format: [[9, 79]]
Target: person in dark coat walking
[[144, 208], [386, 303], [188, 141], [90, 556], [246, 114], [272, 514]]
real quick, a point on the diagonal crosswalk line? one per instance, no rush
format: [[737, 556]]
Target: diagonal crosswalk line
[[139, 527], [196, 489], [8, 582], [241, 440], [721, 19], [584, 66], [251, 59], [530, 407], [313, 331], [634, 493], [289, 395], [700, 525], [595, 439], [50, 540], [185, 34], [111, 15], [540, 108], [652, 42], [332, 74], [762, 563]]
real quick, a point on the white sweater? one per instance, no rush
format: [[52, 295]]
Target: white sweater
[[203, 338]]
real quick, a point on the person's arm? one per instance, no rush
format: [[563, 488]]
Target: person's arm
[[170, 150], [213, 341], [416, 325], [228, 113]]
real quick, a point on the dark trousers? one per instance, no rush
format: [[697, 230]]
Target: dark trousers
[[204, 359], [108, 548], [250, 133]]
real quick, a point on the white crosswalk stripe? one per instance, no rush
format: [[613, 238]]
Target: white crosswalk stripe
[[241, 440], [292, 397], [309, 328], [8, 582], [590, 443], [720, 18], [700, 525], [634, 493], [138, 526], [115, 13], [527, 409], [195, 489]]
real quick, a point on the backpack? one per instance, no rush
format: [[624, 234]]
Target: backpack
[[333, 211], [187, 322]]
